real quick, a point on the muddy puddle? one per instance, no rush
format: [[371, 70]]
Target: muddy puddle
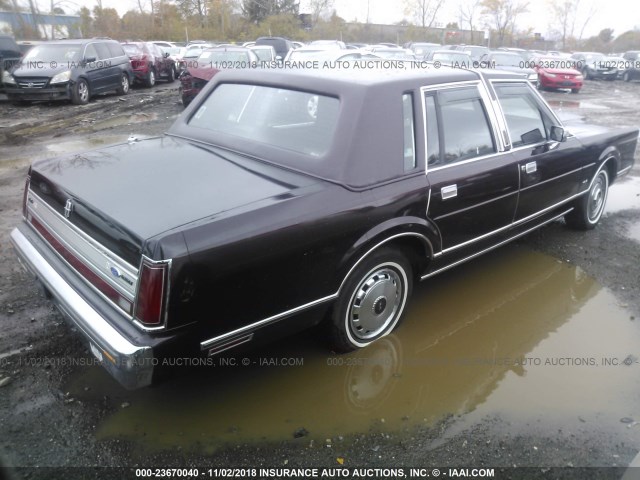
[[516, 332]]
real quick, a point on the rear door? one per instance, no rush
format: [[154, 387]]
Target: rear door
[[474, 184]]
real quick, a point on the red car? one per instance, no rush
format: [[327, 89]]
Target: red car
[[210, 62], [556, 73], [149, 63]]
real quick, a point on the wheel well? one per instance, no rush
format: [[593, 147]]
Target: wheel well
[[610, 165], [417, 252]]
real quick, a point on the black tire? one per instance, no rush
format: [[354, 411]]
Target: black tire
[[372, 300], [80, 93], [575, 90], [588, 208], [172, 75], [585, 74], [626, 77], [150, 81], [125, 85]]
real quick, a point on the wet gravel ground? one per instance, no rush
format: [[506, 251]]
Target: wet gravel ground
[[43, 425]]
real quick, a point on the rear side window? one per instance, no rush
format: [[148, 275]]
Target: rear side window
[[298, 121], [409, 137], [528, 121]]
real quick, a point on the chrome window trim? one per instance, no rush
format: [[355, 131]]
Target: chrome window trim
[[492, 119], [470, 160], [536, 94], [499, 244]]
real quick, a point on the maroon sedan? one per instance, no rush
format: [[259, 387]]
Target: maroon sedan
[[149, 63], [556, 73], [210, 62]]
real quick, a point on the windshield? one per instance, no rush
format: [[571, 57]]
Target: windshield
[[301, 122], [194, 51], [54, 53], [452, 57]]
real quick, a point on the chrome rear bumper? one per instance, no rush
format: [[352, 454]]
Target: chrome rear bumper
[[130, 364]]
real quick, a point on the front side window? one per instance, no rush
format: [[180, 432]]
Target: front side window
[[301, 122], [527, 121]]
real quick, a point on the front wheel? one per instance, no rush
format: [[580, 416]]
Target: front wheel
[[80, 92], [588, 208], [626, 77], [371, 301]]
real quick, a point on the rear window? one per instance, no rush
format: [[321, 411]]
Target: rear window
[[298, 121], [132, 49], [115, 49]]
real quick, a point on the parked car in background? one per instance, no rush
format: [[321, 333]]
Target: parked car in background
[[596, 66], [475, 51], [451, 58], [282, 46], [150, 63], [265, 53], [391, 53], [10, 55], [209, 63], [176, 54], [509, 62], [72, 70], [191, 53], [420, 49], [558, 73], [631, 65], [282, 199]]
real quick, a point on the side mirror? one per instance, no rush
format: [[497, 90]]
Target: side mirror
[[89, 60], [557, 134], [165, 54]]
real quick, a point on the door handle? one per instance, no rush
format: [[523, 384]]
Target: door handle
[[449, 191], [530, 167]]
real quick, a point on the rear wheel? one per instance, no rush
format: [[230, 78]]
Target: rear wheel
[[150, 81], [123, 89], [371, 301], [172, 75], [626, 77], [80, 92], [588, 208], [575, 90]]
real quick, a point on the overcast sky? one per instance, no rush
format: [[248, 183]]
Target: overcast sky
[[621, 15]]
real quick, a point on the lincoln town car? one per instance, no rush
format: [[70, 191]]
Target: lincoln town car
[[281, 200]]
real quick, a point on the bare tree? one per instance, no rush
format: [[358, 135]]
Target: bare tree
[[319, 6], [503, 15], [469, 12], [564, 12], [424, 11]]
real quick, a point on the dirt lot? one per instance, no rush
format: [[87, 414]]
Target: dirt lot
[[574, 295]]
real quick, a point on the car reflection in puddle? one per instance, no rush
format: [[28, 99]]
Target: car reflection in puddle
[[516, 332]]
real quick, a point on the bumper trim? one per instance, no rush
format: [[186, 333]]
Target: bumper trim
[[129, 364]]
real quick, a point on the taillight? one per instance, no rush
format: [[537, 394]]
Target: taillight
[[152, 287], [24, 195]]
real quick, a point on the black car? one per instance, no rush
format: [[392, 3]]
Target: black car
[[282, 199], [279, 44], [10, 55], [596, 66], [631, 66], [72, 70]]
